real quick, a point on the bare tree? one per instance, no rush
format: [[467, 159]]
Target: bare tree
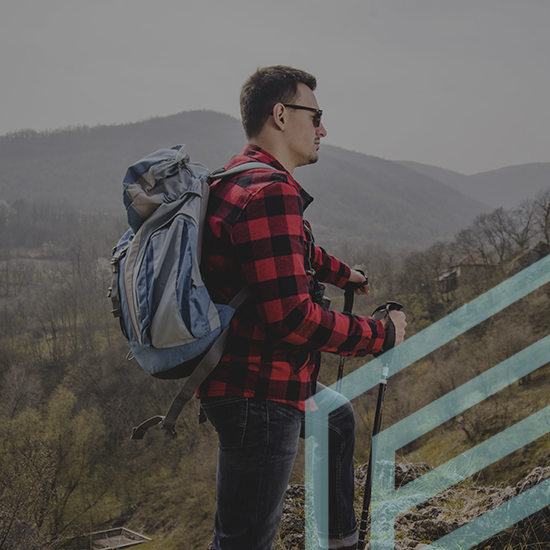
[[493, 228], [542, 212], [469, 241], [416, 277], [53, 469], [378, 263], [19, 388], [521, 223], [438, 257]]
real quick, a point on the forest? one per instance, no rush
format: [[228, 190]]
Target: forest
[[69, 397]]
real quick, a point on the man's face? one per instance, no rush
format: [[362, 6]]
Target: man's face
[[304, 137]]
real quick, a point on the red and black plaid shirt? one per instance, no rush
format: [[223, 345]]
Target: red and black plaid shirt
[[254, 236]]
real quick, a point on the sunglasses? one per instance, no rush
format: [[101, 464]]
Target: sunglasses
[[316, 118]]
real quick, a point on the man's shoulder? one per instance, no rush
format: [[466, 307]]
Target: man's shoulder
[[254, 181], [256, 194], [270, 179], [257, 178]]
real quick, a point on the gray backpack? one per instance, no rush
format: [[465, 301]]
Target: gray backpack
[[173, 328]]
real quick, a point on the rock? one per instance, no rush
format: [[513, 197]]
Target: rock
[[538, 475], [437, 516], [295, 541], [406, 472], [292, 522]]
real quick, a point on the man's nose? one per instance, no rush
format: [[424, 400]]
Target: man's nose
[[321, 131]]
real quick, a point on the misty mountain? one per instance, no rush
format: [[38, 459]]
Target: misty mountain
[[506, 187], [456, 180], [509, 186], [83, 167], [358, 197]]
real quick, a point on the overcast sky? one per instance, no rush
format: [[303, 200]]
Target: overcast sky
[[461, 84]]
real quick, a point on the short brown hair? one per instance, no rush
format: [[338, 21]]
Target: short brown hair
[[264, 89]]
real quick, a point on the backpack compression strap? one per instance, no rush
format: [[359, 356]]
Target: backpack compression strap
[[202, 370]]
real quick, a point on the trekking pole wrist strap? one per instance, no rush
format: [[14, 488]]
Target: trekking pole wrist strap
[[389, 340]]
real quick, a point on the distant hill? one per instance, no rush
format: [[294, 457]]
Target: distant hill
[[510, 186], [456, 180], [506, 187], [376, 200], [357, 197], [84, 167]]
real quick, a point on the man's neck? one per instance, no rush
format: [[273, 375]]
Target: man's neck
[[276, 149]]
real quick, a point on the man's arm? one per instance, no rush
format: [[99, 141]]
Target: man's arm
[[332, 271]]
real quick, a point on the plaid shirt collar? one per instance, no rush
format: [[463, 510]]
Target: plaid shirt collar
[[257, 154]]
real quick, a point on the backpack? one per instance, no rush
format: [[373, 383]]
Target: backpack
[[173, 328]]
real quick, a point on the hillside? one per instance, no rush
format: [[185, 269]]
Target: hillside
[[357, 196], [69, 396], [456, 180], [508, 186]]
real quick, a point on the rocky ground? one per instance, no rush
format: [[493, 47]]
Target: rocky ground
[[437, 516]]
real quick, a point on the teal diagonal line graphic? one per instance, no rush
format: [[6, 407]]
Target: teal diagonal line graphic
[[388, 504], [469, 394], [438, 334], [472, 461], [496, 520], [448, 328]]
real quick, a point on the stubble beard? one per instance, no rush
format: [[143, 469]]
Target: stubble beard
[[313, 158]]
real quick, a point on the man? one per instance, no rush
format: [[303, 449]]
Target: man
[[256, 398]]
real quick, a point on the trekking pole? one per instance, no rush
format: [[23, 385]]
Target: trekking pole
[[378, 314], [348, 306]]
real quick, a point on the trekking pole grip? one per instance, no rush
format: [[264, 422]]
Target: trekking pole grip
[[383, 312]]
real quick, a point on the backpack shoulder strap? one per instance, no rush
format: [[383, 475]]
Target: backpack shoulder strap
[[221, 173]]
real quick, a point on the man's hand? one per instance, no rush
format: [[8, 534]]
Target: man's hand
[[398, 318], [358, 277]]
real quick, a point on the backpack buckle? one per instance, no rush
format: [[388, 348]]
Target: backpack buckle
[[168, 428]]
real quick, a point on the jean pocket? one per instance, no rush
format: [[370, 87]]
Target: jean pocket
[[228, 416]]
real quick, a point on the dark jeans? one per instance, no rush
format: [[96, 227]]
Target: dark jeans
[[258, 442]]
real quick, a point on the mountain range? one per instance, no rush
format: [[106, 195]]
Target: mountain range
[[358, 198]]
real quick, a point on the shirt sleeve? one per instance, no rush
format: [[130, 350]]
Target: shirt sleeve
[[329, 269], [269, 243]]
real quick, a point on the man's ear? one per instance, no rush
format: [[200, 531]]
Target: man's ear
[[279, 116]]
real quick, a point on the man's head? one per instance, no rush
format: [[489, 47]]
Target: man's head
[[280, 113], [267, 87]]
